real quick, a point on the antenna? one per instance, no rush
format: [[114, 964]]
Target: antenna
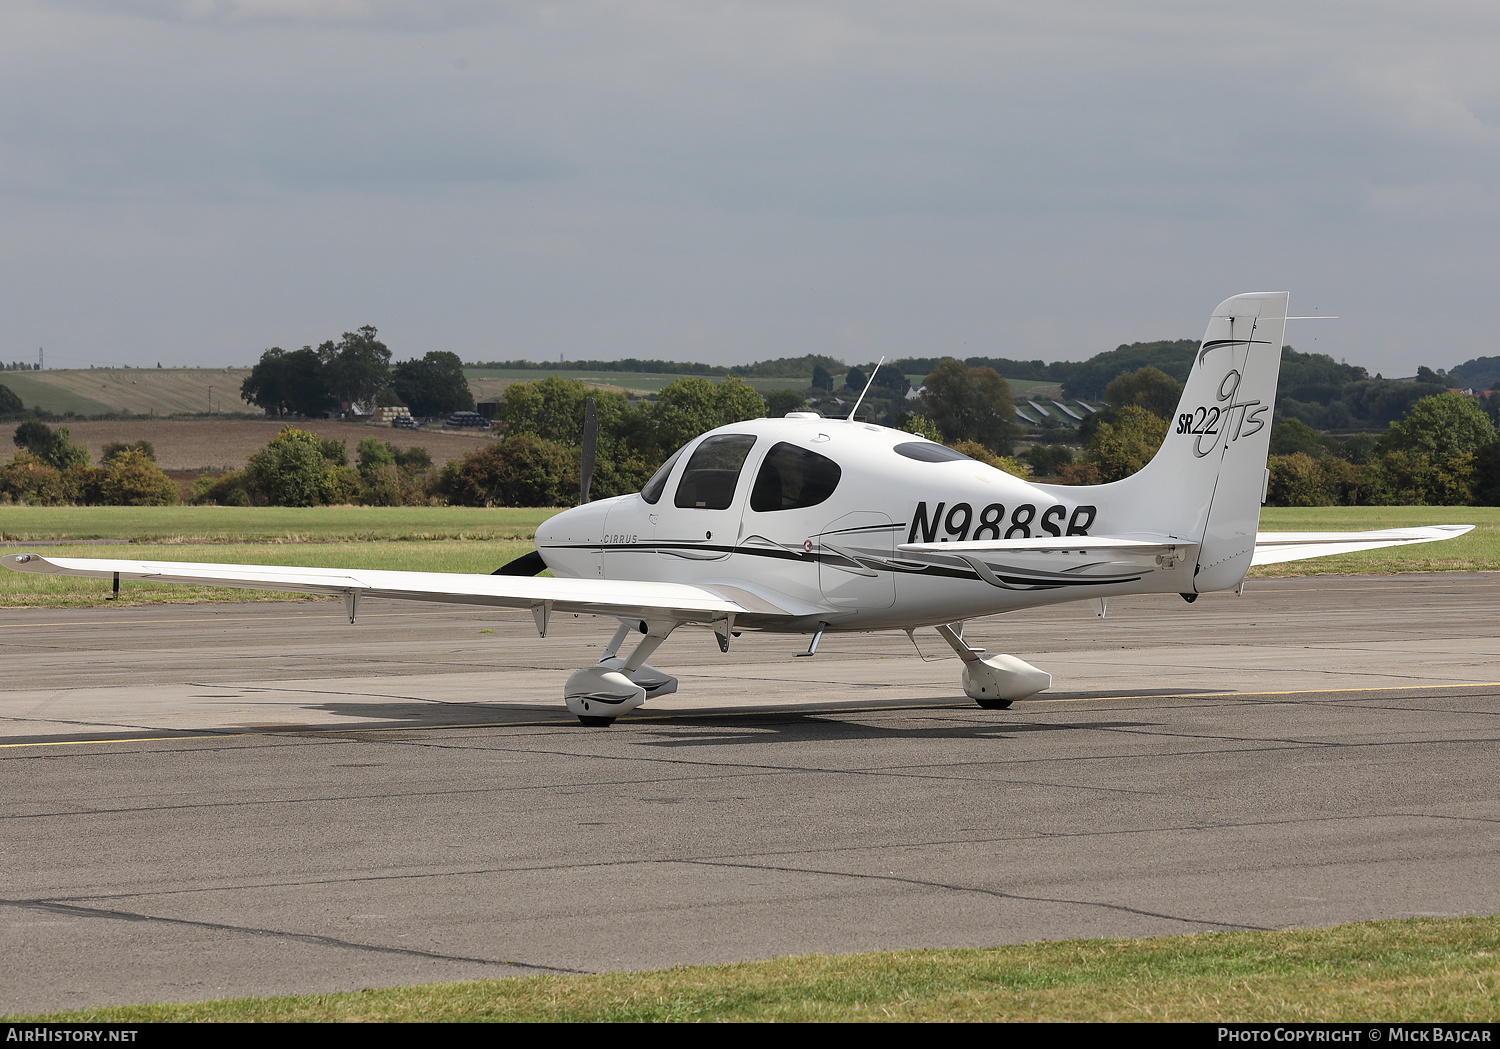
[[870, 382]]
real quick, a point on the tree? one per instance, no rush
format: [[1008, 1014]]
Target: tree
[[358, 367], [821, 378], [553, 410], [1440, 427], [689, 406], [1149, 388], [891, 379], [1292, 436], [373, 455], [434, 385], [27, 478], [1119, 449], [131, 478], [1296, 480], [522, 470], [292, 471], [982, 454], [856, 379], [49, 445], [779, 402], [919, 425], [294, 381], [115, 448], [970, 404], [10, 404]]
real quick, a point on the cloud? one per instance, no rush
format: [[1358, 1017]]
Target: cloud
[[783, 173]]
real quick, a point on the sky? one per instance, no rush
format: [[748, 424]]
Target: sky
[[194, 181]]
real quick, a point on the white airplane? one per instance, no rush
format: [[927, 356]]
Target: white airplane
[[804, 525]]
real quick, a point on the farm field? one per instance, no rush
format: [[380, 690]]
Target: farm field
[[139, 391], [1426, 969], [186, 391], [492, 381], [226, 444]]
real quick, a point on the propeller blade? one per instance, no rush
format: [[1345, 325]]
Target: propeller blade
[[590, 444], [526, 564]]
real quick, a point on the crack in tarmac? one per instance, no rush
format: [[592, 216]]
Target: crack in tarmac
[[76, 911]]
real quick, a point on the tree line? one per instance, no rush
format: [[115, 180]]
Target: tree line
[[356, 370], [49, 469], [1444, 450]]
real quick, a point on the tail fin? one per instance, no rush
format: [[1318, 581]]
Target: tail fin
[[1205, 483]]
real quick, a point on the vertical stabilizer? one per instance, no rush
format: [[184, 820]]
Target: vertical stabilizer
[[1204, 484], [1243, 345]]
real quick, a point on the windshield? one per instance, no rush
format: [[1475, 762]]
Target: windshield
[[654, 487]]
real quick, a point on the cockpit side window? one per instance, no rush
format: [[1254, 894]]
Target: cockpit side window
[[712, 473], [658, 483], [792, 478]]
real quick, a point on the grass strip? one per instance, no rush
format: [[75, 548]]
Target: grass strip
[[268, 524], [424, 539], [1478, 551], [23, 590], [1420, 970]]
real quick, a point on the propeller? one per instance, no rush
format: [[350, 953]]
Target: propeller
[[526, 564], [532, 563], [590, 445]]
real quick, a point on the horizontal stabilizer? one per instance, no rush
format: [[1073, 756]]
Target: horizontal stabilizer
[[1274, 547], [1053, 544]]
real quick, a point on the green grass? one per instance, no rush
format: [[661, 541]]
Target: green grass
[[1419, 970], [1478, 551], [267, 524], [24, 590]]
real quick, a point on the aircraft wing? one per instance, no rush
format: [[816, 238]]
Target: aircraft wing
[[622, 598], [1274, 547]]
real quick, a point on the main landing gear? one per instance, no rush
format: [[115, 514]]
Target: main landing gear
[[614, 685], [993, 681], [617, 685]]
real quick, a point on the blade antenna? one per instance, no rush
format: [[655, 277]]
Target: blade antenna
[[590, 445], [870, 382]]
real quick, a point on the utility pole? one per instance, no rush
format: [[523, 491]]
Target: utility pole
[[38, 358], [210, 400]]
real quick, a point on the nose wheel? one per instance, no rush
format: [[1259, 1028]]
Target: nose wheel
[[595, 722]]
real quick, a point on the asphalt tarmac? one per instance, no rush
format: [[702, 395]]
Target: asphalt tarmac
[[220, 800]]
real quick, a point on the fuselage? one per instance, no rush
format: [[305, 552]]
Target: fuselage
[[807, 515]]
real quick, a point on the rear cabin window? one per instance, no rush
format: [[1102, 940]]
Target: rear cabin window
[[930, 452], [709, 481], [792, 478]]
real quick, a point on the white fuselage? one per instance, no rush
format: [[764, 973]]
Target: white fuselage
[[833, 556]]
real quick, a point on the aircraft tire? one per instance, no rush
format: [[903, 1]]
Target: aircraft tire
[[994, 704], [597, 722]]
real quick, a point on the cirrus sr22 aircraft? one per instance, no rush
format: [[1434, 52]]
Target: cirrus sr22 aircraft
[[804, 525]]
